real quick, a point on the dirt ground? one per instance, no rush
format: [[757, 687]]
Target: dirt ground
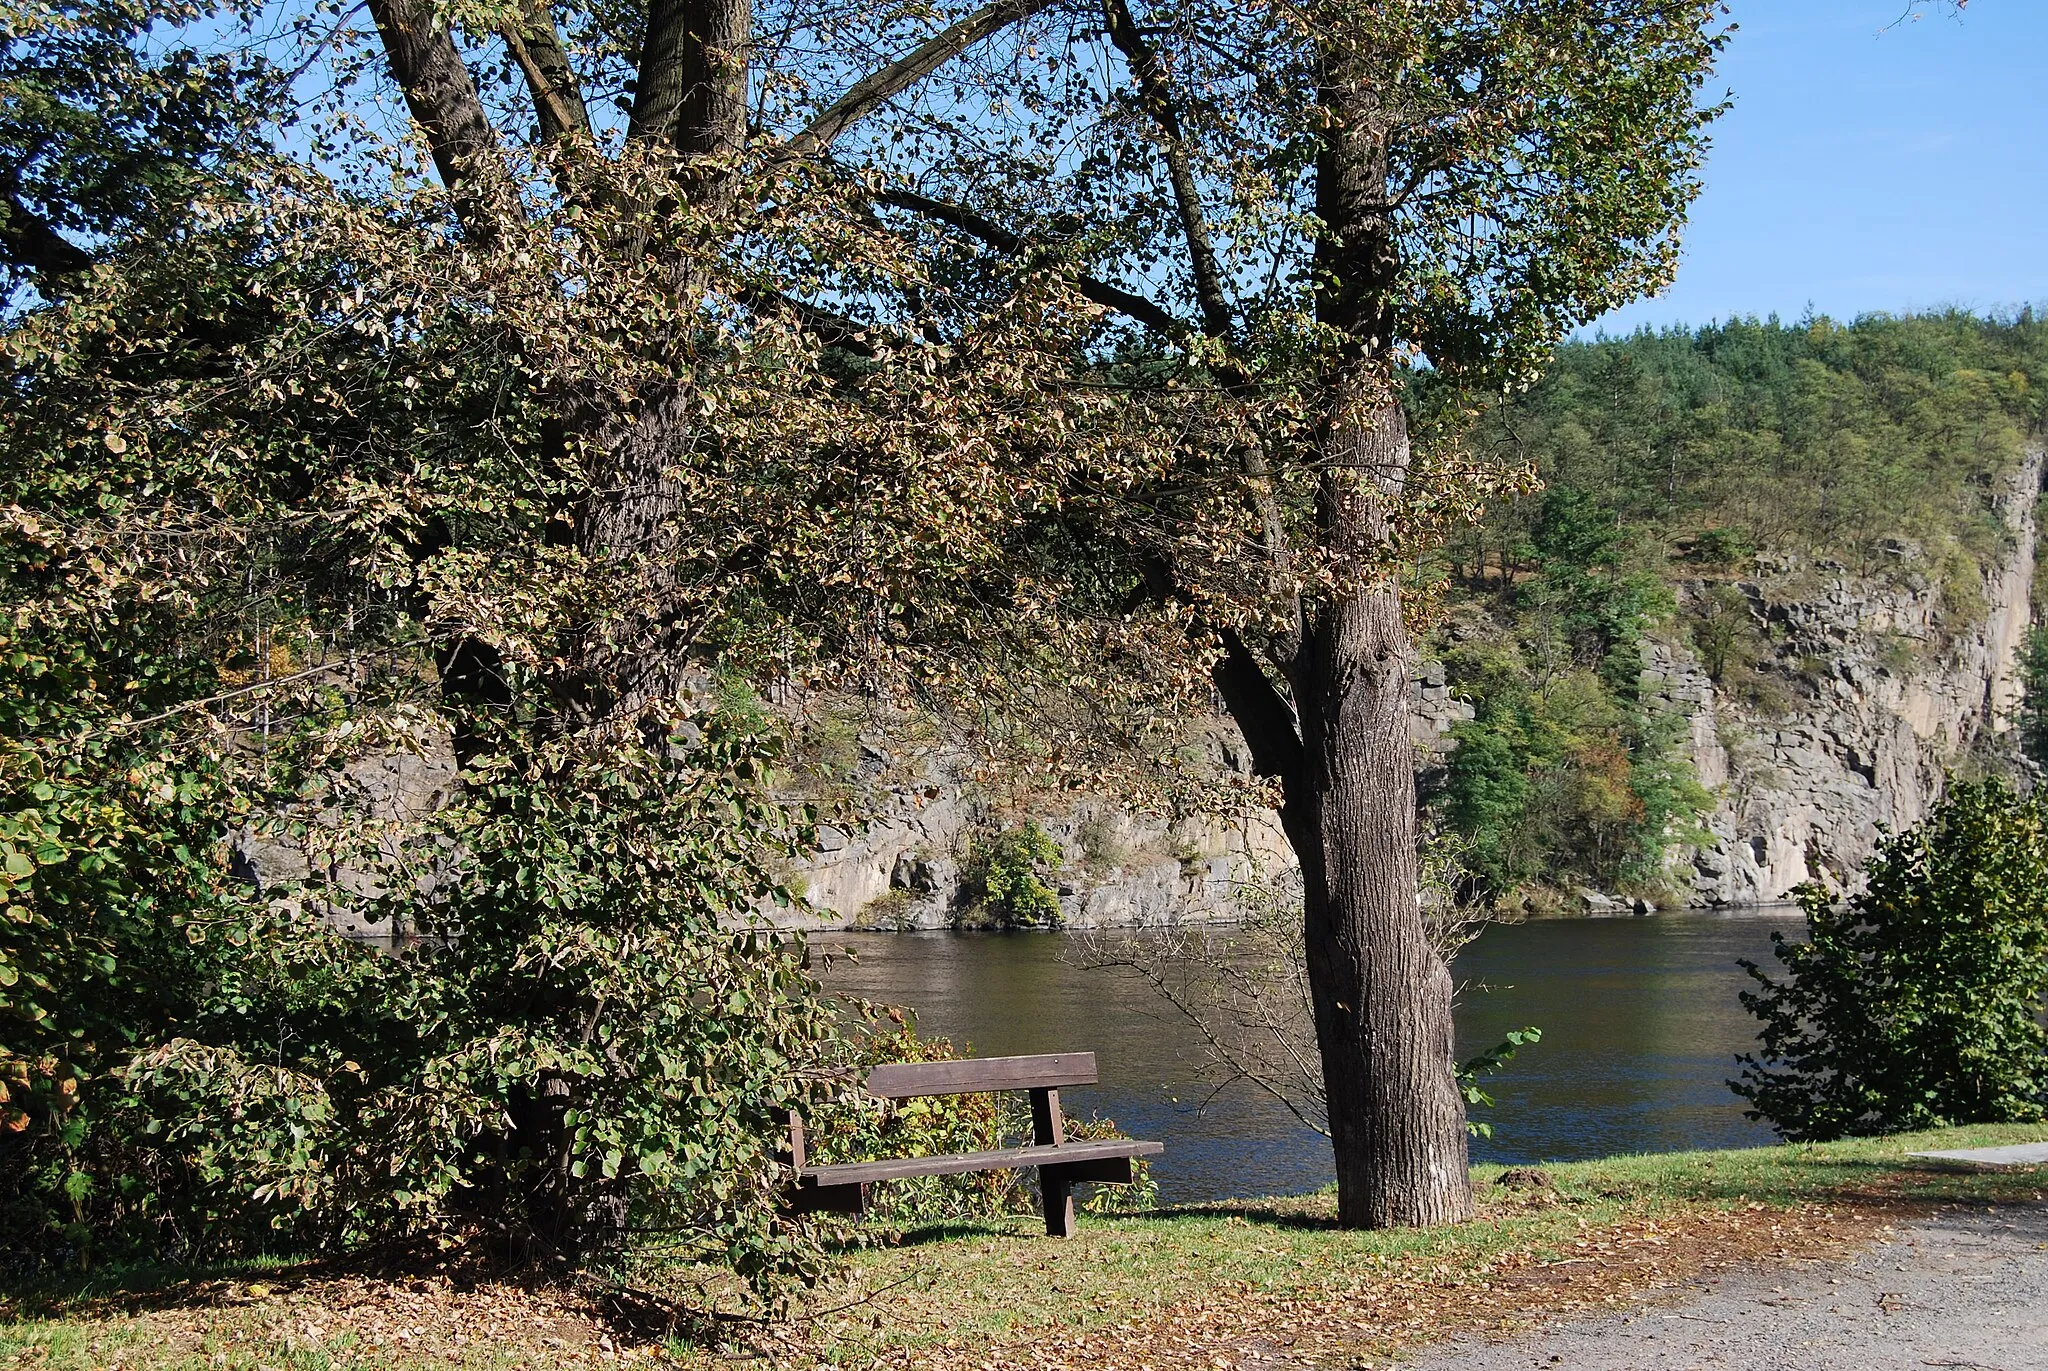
[[1963, 1288]]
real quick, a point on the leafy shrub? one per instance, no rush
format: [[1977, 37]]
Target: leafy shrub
[[1918, 1002], [1721, 547], [1004, 872], [852, 1125], [579, 1049], [1482, 1064], [215, 625], [2032, 720]]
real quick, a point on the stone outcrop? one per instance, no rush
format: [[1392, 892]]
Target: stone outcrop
[[1884, 694], [1121, 869], [1875, 689], [386, 789]]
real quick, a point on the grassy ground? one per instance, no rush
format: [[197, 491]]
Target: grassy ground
[[1257, 1283]]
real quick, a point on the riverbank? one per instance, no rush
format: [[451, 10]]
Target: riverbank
[[1255, 1283], [1642, 1020]]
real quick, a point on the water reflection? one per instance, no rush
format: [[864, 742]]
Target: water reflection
[[1639, 1017]]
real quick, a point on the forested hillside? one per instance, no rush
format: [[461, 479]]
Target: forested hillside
[[1674, 469]]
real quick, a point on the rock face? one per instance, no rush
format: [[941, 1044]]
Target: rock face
[[1878, 690], [1120, 869], [1887, 694], [387, 788]]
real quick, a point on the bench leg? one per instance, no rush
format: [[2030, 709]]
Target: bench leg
[[1056, 1186]]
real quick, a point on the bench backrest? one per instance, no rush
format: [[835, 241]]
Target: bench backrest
[[1051, 1070]]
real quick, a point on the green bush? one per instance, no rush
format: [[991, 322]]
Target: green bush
[[1917, 1003], [1004, 874], [223, 610], [578, 1049], [2032, 720]]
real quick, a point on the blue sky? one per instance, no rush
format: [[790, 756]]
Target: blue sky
[[1865, 169]]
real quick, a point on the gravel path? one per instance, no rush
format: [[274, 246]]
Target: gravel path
[[1965, 1289]]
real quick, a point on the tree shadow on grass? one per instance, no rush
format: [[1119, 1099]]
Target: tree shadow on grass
[[129, 1288]]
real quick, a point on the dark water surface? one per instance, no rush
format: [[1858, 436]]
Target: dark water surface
[[1639, 1016]]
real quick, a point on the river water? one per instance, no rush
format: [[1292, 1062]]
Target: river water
[[1639, 1016]]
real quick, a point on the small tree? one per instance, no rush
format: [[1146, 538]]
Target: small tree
[[1918, 1002], [2031, 717]]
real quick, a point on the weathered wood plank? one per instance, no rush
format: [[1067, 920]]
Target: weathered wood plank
[[905, 1080], [811, 1198], [1105, 1171], [958, 1163], [1056, 1193], [1048, 1124]]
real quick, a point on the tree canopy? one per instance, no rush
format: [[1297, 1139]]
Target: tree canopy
[[483, 376]]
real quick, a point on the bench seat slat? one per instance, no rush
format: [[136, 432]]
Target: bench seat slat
[[958, 1163], [971, 1075]]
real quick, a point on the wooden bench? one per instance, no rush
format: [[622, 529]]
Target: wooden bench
[[843, 1189]]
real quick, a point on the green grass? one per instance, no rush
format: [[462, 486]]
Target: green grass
[[974, 1288], [976, 1283]]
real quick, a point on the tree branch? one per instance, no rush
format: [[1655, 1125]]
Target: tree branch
[[444, 104], [833, 330], [1157, 98], [29, 242], [976, 225], [871, 90], [536, 46], [1262, 714]]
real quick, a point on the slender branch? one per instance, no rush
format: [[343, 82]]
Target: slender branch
[[968, 221], [976, 225], [1156, 95], [876, 87], [127, 725], [834, 330], [536, 45], [1262, 713], [1221, 1051]]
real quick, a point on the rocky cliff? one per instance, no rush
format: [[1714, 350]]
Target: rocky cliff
[[1887, 690], [1870, 687], [909, 868], [1865, 689]]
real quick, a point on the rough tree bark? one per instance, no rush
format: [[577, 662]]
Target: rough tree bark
[[1381, 993], [1340, 748]]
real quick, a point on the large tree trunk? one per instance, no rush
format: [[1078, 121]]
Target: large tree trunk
[[1382, 995]]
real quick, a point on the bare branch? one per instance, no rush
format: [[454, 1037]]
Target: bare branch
[[536, 46], [862, 97], [1157, 97], [976, 225]]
